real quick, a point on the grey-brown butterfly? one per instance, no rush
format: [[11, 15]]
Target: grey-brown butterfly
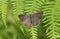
[[31, 20]]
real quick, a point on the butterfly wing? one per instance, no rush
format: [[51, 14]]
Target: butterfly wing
[[36, 18], [25, 19]]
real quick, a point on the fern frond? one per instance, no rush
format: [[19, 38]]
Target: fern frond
[[15, 11], [51, 19], [4, 11], [33, 6], [33, 33]]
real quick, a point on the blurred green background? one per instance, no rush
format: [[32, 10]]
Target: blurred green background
[[12, 28]]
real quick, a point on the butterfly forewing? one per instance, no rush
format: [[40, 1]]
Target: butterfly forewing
[[25, 19], [36, 18]]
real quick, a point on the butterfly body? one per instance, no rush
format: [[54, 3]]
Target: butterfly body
[[31, 20]]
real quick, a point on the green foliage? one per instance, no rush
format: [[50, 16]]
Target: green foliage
[[51, 19], [12, 28]]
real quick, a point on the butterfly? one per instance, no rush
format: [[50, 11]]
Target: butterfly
[[32, 19]]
